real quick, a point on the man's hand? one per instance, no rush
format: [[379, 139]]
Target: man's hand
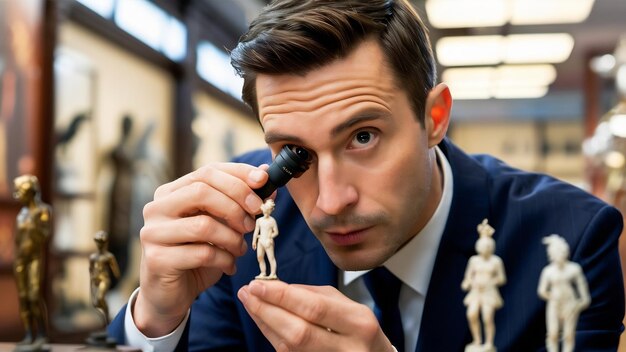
[[311, 318], [193, 233]]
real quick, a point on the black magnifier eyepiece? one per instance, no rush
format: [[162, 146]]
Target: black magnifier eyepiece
[[301, 152], [292, 161]]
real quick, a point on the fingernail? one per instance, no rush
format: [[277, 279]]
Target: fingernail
[[257, 288], [243, 294], [249, 223], [256, 175], [253, 202]]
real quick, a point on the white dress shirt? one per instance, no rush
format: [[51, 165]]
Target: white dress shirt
[[412, 264]]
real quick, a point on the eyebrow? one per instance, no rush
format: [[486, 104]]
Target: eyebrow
[[353, 121], [273, 137]]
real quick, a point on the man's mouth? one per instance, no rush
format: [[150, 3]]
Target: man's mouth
[[347, 237]]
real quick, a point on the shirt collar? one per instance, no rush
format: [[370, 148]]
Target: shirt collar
[[414, 262]]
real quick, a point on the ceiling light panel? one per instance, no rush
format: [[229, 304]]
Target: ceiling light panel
[[469, 83], [494, 13], [469, 78], [467, 51], [503, 82], [527, 12], [532, 92], [467, 13], [507, 76], [469, 94], [495, 49], [538, 48]]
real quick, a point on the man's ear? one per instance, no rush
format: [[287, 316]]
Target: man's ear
[[437, 113]]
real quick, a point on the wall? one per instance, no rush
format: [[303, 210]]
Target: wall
[[223, 131], [124, 85], [552, 147], [96, 77]]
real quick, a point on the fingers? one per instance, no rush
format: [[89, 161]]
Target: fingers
[[196, 229], [216, 189], [192, 234], [223, 175], [328, 291], [200, 198], [322, 306], [189, 256], [297, 317], [210, 205], [286, 331]]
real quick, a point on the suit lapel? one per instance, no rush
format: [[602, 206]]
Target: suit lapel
[[444, 326]]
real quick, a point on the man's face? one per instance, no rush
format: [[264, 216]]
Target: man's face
[[373, 182]]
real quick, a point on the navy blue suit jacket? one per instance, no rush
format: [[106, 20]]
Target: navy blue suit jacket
[[522, 207]]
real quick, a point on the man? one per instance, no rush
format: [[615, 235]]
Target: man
[[354, 83]]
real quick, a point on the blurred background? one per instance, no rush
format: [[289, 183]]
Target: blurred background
[[104, 100]]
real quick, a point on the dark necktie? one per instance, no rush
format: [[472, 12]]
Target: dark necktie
[[385, 290]]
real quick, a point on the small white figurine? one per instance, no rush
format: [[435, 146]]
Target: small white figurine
[[483, 276], [556, 286], [263, 240]]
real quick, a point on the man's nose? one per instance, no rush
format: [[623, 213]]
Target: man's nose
[[336, 191]]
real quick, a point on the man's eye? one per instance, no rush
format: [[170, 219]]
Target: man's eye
[[362, 139]]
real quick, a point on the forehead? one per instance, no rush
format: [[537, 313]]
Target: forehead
[[363, 77]]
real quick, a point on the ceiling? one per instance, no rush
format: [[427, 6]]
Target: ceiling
[[565, 100], [599, 34]]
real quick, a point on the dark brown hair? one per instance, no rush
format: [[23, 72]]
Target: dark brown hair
[[297, 36]]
